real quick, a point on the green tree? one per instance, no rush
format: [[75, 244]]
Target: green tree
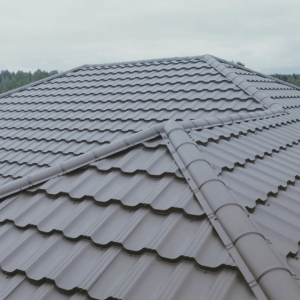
[[238, 63], [11, 80], [293, 78]]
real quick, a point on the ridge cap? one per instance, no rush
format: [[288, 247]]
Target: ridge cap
[[242, 83], [146, 61]]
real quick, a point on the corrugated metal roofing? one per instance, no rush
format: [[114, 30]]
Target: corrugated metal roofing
[[129, 226]]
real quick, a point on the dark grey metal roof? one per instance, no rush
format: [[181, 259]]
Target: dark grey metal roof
[[123, 223]]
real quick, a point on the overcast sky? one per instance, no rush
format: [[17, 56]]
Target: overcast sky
[[63, 34]]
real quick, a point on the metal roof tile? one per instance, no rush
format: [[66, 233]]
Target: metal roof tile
[[161, 193], [171, 236], [152, 273], [76, 112]]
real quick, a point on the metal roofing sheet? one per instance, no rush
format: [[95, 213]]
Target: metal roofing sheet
[[203, 75], [171, 236], [59, 135], [254, 158], [127, 89], [207, 82], [160, 115], [77, 125], [135, 190], [77, 112], [227, 153], [17, 170], [279, 219], [111, 272], [32, 158], [13, 287], [155, 162], [277, 94], [266, 86], [90, 98], [153, 105]]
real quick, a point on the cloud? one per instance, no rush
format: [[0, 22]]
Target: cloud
[[67, 33]]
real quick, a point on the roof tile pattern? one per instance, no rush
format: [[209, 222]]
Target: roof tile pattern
[[125, 235], [286, 95], [112, 273], [86, 108], [128, 226]]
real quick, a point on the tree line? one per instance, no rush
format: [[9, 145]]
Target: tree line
[[12, 80], [293, 79]]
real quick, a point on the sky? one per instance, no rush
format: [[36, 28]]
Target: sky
[[64, 34]]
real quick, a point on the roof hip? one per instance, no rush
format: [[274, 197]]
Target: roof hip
[[239, 81], [264, 272]]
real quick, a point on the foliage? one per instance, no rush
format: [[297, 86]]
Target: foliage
[[293, 79], [11, 80], [238, 63]]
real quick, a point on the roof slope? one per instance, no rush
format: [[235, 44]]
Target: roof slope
[[128, 224], [70, 114]]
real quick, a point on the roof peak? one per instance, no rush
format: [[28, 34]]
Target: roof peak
[[144, 61]]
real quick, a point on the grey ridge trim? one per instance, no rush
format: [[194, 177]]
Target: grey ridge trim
[[136, 138], [24, 87], [255, 72], [248, 248], [144, 61], [243, 84]]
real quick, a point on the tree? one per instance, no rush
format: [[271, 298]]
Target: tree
[[11, 80], [293, 79], [238, 63]]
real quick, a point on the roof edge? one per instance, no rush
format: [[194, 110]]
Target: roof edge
[[125, 143], [39, 81], [243, 84], [256, 72]]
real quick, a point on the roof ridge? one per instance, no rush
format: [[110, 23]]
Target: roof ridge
[[146, 61], [243, 84], [40, 81], [125, 143], [256, 72]]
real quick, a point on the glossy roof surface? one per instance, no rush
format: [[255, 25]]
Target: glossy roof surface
[[129, 226]]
